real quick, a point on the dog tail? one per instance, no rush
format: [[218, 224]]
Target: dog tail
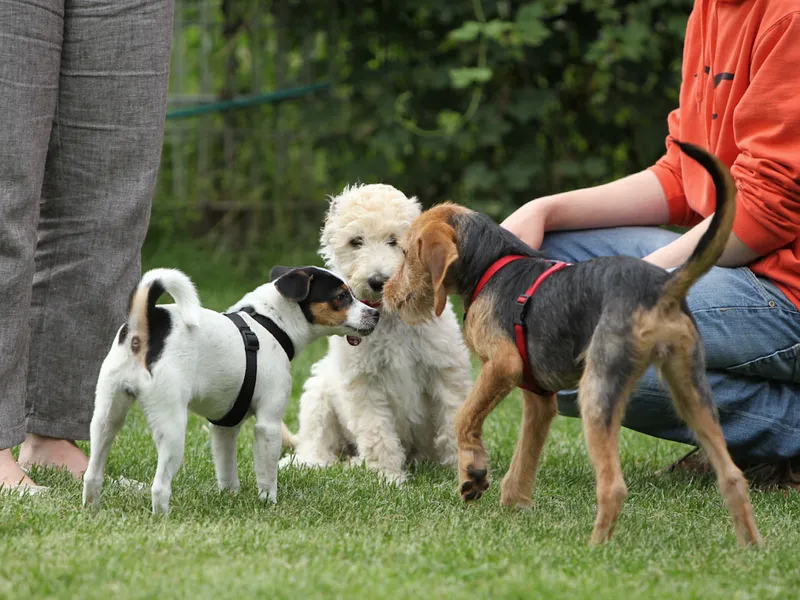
[[712, 243], [141, 309], [288, 439]]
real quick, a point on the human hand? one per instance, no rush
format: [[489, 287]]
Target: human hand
[[528, 222]]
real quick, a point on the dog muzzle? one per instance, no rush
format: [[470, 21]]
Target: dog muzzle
[[354, 340]]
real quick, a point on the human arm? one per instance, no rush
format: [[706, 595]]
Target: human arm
[[638, 199], [736, 253]]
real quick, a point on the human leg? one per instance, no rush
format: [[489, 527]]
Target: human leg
[[100, 174], [30, 43]]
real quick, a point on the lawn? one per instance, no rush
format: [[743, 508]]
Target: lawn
[[342, 533]]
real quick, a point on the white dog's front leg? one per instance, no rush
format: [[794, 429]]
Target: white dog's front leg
[[449, 391], [110, 409], [223, 450], [167, 419], [320, 435], [266, 453], [373, 425]]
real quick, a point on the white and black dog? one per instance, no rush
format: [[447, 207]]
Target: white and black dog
[[181, 356]]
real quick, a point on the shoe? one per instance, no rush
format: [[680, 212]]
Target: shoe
[[784, 474], [695, 462]]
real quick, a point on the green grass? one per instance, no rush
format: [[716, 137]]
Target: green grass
[[341, 533]]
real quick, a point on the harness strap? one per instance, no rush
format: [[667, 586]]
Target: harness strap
[[520, 331], [523, 301], [242, 404], [239, 409], [270, 325]]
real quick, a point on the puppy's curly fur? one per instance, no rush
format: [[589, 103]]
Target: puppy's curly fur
[[393, 397]]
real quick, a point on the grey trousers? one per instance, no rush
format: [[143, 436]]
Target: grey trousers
[[83, 90]]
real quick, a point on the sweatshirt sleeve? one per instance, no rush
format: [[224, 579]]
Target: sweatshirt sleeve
[[668, 172], [766, 126]]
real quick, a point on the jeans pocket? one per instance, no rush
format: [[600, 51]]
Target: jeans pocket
[[781, 365]]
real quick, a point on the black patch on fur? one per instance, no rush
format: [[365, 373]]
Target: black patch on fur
[[123, 333], [323, 286], [718, 178], [569, 305], [293, 284], [481, 242], [159, 325]]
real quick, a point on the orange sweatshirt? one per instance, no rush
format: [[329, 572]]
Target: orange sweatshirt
[[740, 98]]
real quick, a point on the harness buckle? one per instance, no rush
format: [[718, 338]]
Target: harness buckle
[[523, 301], [250, 340]]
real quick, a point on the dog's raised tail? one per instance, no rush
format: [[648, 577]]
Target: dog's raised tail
[[152, 285], [712, 243]]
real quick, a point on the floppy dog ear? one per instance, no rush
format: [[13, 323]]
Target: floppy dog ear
[[278, 271], [437, 251], [293, 284]]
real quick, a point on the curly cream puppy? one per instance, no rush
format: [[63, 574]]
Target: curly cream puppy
[[392, 397]]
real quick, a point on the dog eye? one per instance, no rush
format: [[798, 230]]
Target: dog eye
[[356, 242], [342, 296], [392, 241]]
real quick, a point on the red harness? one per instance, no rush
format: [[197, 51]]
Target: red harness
[[520, 331]]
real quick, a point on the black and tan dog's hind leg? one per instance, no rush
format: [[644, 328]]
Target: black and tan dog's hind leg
[[684, 372], [500, 374], [538, 413], [611, 371]]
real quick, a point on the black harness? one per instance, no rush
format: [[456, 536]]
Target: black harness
[[239, 409]]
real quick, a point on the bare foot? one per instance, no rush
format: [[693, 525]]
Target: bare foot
[[10, 473], [52, 452]]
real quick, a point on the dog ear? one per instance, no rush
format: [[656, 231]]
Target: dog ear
[[293, 284], [278, 271], [437, 251]]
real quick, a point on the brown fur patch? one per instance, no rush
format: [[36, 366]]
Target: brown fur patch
[[664, 335], [661, 329], [326, 313], [140, 336], [500, 374], [419, 288], [698, 415], [538, 413]]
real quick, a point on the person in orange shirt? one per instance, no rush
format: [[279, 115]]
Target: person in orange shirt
[[740, 99]]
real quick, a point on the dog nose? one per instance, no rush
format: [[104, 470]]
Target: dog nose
[[376, 282]]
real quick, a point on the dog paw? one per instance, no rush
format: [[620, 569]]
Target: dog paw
[[396, 479], [511, 496], [473, 474], [91, 500], [513, 501], [268, 496], [353, 462], [160, 499], [231, 487], [475, 483], [160, 509]]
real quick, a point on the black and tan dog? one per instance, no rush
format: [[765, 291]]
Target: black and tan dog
[[597, 324]]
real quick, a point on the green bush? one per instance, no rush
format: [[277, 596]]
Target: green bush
[[488, 104]]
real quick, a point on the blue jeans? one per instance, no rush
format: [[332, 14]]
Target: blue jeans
[[751, 333]]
